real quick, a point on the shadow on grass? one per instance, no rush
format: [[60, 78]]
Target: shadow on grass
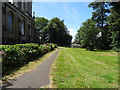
[[95, 50], [103, 51]]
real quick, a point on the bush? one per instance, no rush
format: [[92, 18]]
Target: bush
[[15, 56]]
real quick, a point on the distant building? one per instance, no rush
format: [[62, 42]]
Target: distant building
[[76, 45], [18, 25]]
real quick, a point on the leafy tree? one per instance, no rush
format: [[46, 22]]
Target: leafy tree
[[100, 15], [77, 38], [40, 24], [106, 22], [114, 25], [88, 34], [58, 32], [53, 31]]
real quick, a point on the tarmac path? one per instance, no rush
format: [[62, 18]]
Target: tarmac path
[[36, 78]]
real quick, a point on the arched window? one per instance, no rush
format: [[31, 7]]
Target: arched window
[[23, 27], [10, 23]]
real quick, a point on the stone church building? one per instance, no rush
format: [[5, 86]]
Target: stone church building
[[18, 25]]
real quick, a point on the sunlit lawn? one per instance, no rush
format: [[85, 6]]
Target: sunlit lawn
[[78, 68]]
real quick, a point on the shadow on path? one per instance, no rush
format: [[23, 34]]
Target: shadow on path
[[35, 78]]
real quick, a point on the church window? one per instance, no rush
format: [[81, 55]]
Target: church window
[[10, 23], [23, 27]]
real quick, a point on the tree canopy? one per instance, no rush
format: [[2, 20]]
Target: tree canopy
[[53, 31], [102, 31]]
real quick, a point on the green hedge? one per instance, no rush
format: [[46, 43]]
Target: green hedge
[[15, 56]]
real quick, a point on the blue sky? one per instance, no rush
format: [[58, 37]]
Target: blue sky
[[73, 13]]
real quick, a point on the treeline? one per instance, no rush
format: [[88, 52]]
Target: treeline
[[102, 30], [53, 31]]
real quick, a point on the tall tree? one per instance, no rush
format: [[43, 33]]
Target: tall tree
[[100, 15], [114, 25], [40, 24], [53, 31], [58, 32], [88, 34], [77, 38]]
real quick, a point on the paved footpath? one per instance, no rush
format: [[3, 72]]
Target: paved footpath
[[35, 78]]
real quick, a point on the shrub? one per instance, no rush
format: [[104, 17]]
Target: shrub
[[15, 56]]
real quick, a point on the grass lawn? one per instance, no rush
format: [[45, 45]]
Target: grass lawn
[[78, 68]]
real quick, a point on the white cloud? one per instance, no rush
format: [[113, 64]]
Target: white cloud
[[70, 13], [73, 33]]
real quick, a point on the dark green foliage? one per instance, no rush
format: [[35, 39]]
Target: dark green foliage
[[105, 20], [100, 15], [40, 23], [114, 25], [88, 35], [53, 31], [15, 56]]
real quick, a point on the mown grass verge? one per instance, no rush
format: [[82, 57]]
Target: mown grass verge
[[78, 68]]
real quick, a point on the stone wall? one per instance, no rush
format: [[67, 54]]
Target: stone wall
[[15, 35]]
